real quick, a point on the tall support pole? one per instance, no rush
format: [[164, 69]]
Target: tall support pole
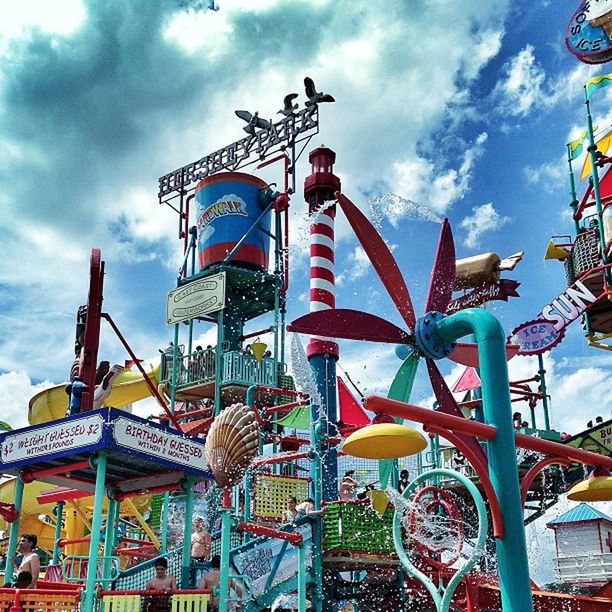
[[186, 563], [543, 391], [109, 536], [322, 353], [59, 516], [572, 188], [226, 526], [598, 207], [164, 522], [513, 565], [14, 531], [96, 525], [301, 578]]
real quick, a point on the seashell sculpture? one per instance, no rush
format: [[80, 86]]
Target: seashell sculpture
[[231, 444]]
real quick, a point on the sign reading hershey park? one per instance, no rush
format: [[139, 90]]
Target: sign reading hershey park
[[286, 132]]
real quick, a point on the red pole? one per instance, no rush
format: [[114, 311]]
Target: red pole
[[279, 458], [121, 495], [136, 361], [32, 475], [293, 537], [273, 409], [383, 405]]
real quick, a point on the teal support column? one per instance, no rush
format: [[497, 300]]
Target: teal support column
[[543, 391], [572, 188], [14, 531], [59, 517], [187, 486], [316, 494], [109, 537], [511, 549], [163, 541], [301, 578], [96, 525], [226, 526]]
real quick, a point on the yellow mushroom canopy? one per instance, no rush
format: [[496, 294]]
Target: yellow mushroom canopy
[[384, 441]]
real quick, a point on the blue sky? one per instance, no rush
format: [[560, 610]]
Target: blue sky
[[463, 107]]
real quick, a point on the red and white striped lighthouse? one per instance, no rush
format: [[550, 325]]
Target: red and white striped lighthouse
[[319, 187]]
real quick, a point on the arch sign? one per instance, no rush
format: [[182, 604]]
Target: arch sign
[[540, 335]]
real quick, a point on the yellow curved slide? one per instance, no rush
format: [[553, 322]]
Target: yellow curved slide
[[128, 387]]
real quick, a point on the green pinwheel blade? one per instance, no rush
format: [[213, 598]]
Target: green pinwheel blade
[[401, 387], [400, 390]]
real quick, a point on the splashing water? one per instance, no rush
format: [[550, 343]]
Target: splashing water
[[394, 207], [300, 230], [440, 533], [301, 370]]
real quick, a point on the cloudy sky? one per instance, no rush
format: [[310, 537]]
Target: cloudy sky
[[463, 108]]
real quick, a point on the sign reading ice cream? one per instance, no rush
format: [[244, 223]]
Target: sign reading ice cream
[[589, 33], [50, 440], [159, 443]]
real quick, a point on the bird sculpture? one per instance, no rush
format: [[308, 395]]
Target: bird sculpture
[[253, 121], [314, 96], [289, 106]]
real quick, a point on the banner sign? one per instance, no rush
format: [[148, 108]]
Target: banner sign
[[500, 290], [588, 34], [597, 439], [259, 561], [150, 440], [196, 298], [265, 141], [41, 441]]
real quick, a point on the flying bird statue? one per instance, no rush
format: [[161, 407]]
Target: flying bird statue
[[253, 121], [314, 96], [289, 106]]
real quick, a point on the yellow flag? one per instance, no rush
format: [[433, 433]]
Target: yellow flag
[[603, 144]]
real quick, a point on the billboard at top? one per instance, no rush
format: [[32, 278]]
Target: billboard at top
[[589, 33]]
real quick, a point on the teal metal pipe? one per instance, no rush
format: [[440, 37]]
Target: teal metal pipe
[[109, 536], [543, 391], [513, 565], [59, 516], [164, 523], [14, 531], [301, 578], [224, 578], [572, 188], [96, 525], [186, 562]]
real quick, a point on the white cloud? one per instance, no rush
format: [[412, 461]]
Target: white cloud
[[483, 219], [16, 389], [522, 87], [549, 175], [359, 264], [420, 180]]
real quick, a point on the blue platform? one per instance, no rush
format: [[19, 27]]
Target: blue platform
[[140, 454]]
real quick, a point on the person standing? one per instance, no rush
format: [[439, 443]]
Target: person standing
[[161, 582], [30, 561], [403, 483], [348, 486], [200, 542]]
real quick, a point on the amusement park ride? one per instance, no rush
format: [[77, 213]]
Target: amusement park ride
[[238, 435]]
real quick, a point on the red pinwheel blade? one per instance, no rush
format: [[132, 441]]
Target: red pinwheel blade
[[442, 276], [448, 405], [351, 325], [380, 257], [466, 353]]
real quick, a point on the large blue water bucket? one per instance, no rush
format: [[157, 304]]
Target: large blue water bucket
[[229, 203]]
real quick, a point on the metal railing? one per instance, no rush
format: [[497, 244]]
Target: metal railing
[[238, 368], [584, 255]]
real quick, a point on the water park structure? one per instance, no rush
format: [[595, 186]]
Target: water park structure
[[245, 425]]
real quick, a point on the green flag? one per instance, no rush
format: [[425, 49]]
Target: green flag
[[575, 146], [596, 82]]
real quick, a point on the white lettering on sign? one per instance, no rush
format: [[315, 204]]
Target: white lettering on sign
[[52, 439], [568, 306], [163, 444]]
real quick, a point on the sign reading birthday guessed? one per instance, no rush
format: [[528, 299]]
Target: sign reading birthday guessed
[[159, 443], [196, 298], [51, 440]]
